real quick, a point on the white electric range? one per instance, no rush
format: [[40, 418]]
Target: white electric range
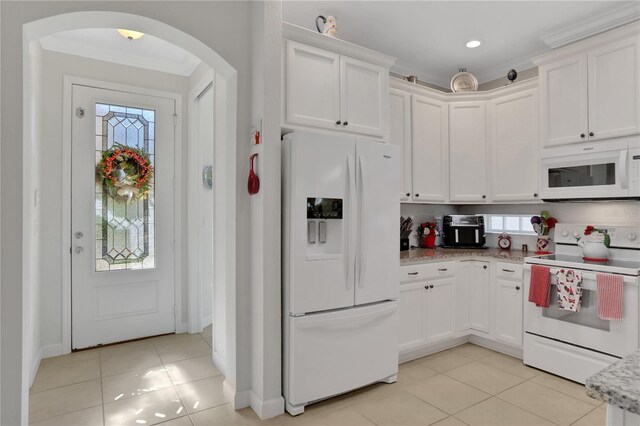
[[576, 345]]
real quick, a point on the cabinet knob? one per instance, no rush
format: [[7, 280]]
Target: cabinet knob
[[517, 287], [535, 194], [582, 135], [338, 122], [431, 286], [484, 267], [408, 194], [484, 196], [417, 195], [590, 133], [426, 287], [346, 123]]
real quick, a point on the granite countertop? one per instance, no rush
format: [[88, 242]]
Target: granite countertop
[[618, 384], [418, 255]]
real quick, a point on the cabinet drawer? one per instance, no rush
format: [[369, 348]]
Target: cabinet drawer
[[426, 271], [509, 271]]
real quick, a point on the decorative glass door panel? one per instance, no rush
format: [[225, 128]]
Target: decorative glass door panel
[[122, 215], [124, 222]]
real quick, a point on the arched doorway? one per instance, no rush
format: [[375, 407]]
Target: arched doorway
[[224, 174]]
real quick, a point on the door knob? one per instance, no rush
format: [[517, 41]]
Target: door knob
[[79, 250], [79, 235]]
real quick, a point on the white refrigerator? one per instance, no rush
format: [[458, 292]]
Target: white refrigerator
[[340, 265]]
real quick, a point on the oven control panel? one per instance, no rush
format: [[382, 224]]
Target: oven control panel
[[621, 236]]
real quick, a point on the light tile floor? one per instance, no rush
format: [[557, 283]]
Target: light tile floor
[[171, 380]]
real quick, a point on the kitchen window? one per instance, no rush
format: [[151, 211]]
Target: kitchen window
[[512, 223]]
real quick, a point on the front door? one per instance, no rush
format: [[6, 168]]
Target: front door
[[122, 268]]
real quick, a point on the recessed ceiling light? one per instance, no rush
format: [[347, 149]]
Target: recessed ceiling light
[[130, 34], [473, 43]]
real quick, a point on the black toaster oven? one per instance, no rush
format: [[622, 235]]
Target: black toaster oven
[[463, 231]]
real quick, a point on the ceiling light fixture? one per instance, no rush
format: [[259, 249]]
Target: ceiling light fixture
[[473, 44], [129, 34]]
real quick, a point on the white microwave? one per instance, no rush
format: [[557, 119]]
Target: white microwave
[[604, 170]]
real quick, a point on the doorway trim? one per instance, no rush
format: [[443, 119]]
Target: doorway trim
[[194, 183], [69, 82]]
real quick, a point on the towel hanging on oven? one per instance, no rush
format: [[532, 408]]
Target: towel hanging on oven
[[569, 289]]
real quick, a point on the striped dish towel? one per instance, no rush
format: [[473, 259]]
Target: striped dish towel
[[610, 289], [539, 286]]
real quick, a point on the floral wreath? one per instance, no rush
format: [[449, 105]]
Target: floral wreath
[[126, 171]]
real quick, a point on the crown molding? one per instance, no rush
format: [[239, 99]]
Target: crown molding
[[592, 26], [314, 38]]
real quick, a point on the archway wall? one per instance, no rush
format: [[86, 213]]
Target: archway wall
[[221, 26]]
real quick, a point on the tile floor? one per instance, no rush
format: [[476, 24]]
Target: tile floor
[[170, 380]]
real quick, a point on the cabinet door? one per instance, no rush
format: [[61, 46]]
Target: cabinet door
[[479, 296], [313, 86], [614, 90], [430, 146], [508, 311], [364, 102], [411, 307], [400, 134], [563, 97], [463, 319], [513, 139], [440, 316], [468, 151]]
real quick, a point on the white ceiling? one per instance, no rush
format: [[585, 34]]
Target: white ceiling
[[106, 44], [429, 37]]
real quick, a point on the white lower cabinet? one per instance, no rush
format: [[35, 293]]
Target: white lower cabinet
[[473, 289], [411, 310], [427, 305], [508, 299], [442, 301]]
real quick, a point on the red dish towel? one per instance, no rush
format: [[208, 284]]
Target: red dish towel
[[540, 285], [610, 290]]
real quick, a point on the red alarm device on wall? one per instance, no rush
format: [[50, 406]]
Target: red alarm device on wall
[[504, 241]]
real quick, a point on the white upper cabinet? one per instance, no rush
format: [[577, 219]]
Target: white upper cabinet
[[330, 84], [513, 141], [563, 95], [400, 134], [430, 159], [468, 152], [363, 96], [590, 90], [312, 86], [614, 89]]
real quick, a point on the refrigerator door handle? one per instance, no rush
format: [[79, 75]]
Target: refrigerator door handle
[[351, 190], [362, 237]]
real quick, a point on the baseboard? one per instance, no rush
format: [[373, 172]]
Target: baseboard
[[267, 409], [496, 346], [182, 327], [218, 361], [206, 322], [44, 352], [411, 354], [237, 400]]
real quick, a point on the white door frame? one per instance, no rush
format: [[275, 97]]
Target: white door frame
[[67, 105], [194, 202]]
